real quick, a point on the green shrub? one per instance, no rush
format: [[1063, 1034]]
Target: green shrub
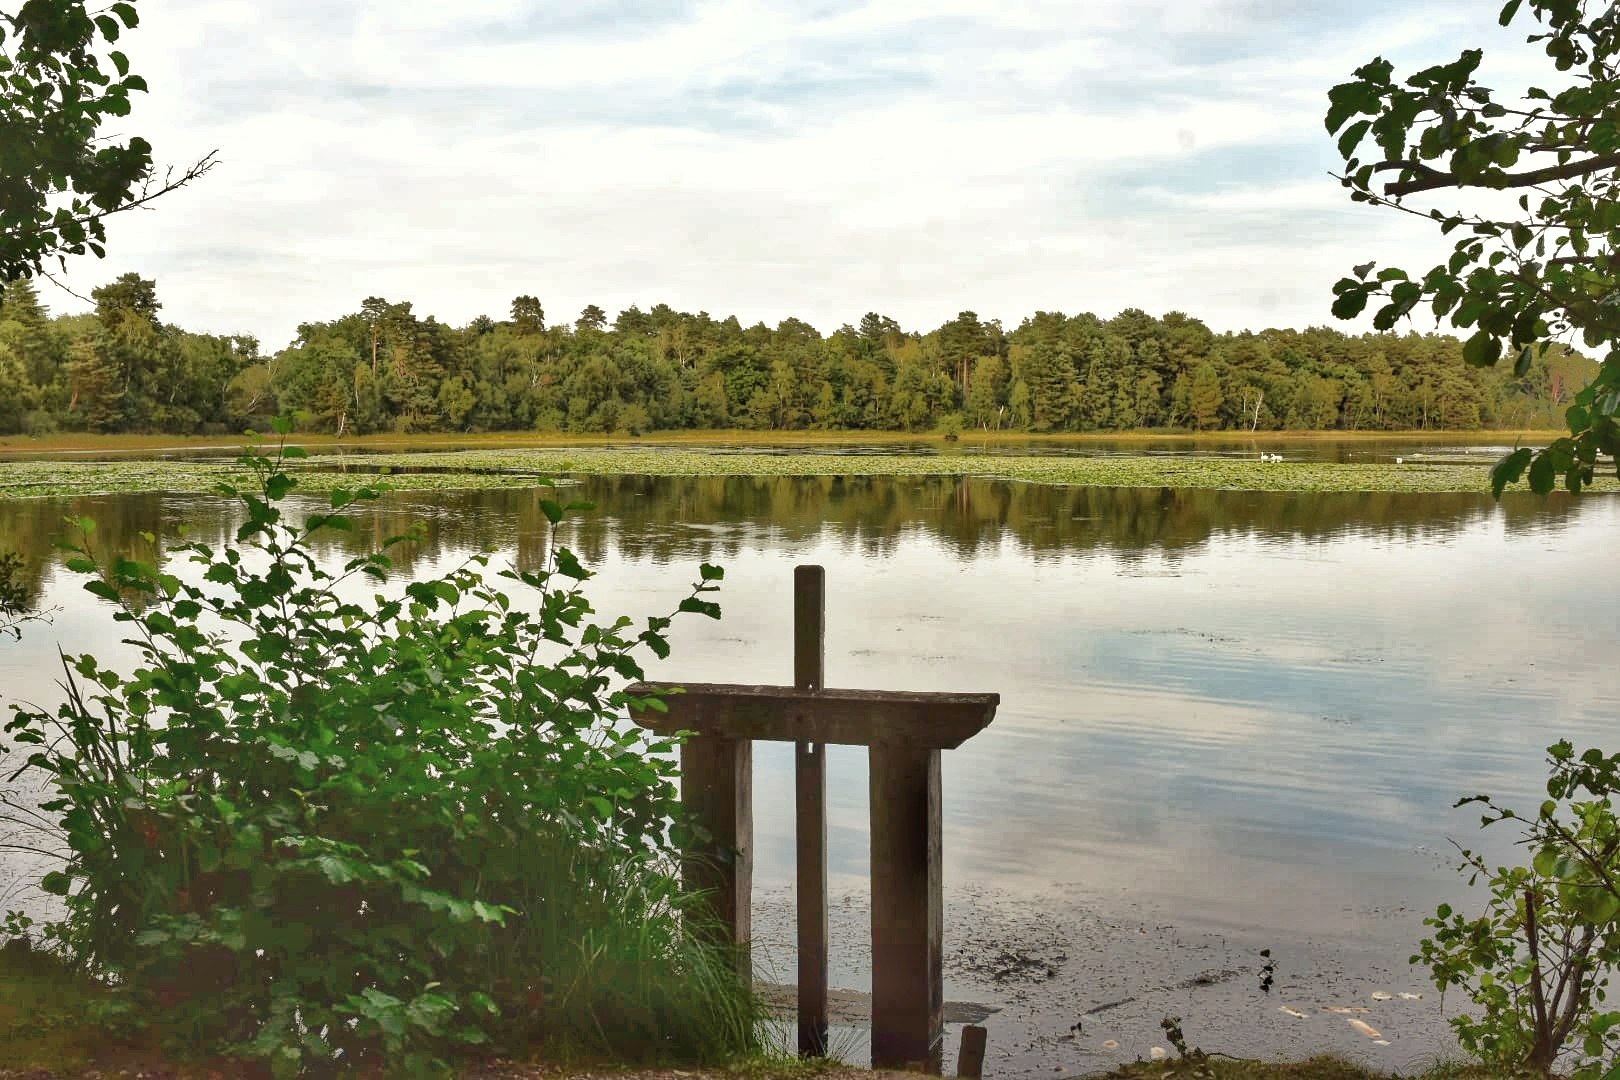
[[1537, 962], [38, 423], [317, 825]]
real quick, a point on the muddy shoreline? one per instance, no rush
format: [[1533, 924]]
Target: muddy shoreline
[[1071, 984]]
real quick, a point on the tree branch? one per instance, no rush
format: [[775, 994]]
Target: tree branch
[[1431, 178], [48, 276], [1533, 940], [146, 195]]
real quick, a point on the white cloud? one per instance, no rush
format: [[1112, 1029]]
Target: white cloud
[[765, 159]]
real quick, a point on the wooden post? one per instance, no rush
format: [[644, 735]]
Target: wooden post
[[908, 908], [717, 786], [970, 1061], [810, 817]]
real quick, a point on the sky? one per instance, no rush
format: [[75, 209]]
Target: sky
[[815, 159]]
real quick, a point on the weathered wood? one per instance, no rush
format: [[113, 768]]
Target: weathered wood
[[908, 992], [905, 733], [970, 1061], [810, 761], [809, 628], [717, 787], [810, 813], [846, 717]]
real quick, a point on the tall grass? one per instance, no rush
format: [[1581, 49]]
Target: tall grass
[[631, 968]]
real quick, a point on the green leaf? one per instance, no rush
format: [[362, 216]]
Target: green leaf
[[282, 425], [1352, 136], [1543, 473], [56, 883], [121, 62], [552, 509], [489, 913], [102, 589], [711, 572], [1604, 137], [1521, 366], [1349, 304], [126, 12], [335, 870], [1483, 349], [1509, 9], [568, 565], [700, 607], [1509, 470], [277, 486], [1348, 99], [108, 26]]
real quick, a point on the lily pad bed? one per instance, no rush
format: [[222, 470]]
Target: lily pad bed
[[502, 468]]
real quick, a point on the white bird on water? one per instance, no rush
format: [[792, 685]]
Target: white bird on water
[[1399, 461]]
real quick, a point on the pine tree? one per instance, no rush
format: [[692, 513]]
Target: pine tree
[[1205, 397]]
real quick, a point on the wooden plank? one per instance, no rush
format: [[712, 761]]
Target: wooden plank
[[970, 1061], [810, 813], [809, 627], [717, 787], [810, 822], [908, 993], [845, 717]]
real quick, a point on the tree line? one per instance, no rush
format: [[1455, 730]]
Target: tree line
[[384, 368]]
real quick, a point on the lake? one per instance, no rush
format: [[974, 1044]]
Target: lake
[[1229, 721]]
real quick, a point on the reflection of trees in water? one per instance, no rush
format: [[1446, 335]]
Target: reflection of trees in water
[[644, 516], [662, 519], [34, 527]]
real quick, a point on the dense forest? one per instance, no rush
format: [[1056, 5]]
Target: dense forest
[[383, 368]]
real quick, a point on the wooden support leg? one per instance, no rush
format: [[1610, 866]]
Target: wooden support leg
[[717, 786], [811, 766], [908, 994]]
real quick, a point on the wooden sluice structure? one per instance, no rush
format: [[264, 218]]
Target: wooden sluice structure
[[904, 734]]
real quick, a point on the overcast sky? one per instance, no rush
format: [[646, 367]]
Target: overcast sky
[[816, 159]]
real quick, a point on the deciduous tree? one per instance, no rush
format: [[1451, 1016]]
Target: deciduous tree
[[62, 176], [1538, 265]]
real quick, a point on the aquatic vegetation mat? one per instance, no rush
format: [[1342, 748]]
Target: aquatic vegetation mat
[[501, 468]]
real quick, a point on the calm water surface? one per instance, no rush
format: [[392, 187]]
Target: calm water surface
[[1239, 715]]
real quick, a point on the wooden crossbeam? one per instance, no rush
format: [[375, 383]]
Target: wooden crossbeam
[[845, 717]]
